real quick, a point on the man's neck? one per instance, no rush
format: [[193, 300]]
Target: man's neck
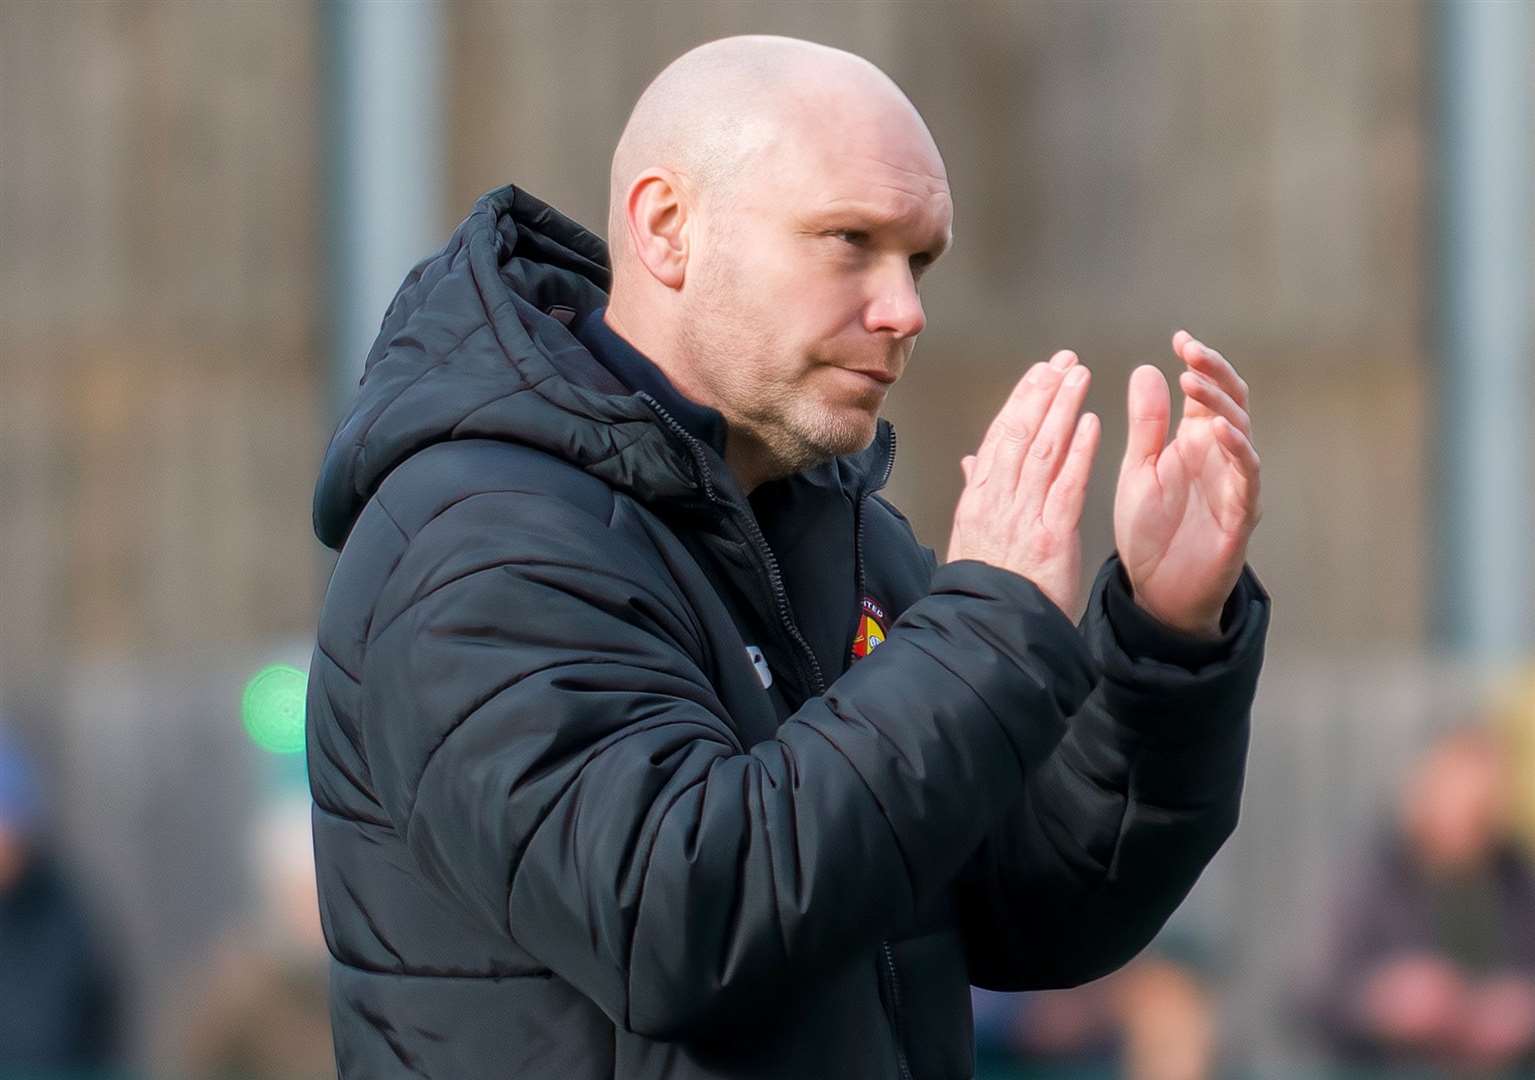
[[748, 458]]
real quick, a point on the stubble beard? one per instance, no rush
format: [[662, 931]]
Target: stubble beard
[[770, 399], [785, 417]]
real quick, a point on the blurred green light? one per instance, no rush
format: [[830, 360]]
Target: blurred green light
[[273, 708]]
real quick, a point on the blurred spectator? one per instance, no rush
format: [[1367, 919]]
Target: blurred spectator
[[1153, 1020], [1169, 1020], [58, 998], [1432, 957], [257, 1008], [1046, 1033]]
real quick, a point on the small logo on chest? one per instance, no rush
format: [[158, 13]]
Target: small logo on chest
[[759, 662], [871, 628]]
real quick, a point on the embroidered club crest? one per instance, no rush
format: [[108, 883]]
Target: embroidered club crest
[[871, 628]]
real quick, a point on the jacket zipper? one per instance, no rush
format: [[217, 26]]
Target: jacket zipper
[[786, 619], [810, 674], [895, 1011], [893, 980], [858, 541]]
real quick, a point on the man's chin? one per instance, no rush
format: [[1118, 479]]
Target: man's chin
[[850, 434], [801, 442]]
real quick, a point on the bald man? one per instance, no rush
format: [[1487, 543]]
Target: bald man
[[645, 738]]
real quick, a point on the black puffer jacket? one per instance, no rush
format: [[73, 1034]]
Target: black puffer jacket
[[562, 826]]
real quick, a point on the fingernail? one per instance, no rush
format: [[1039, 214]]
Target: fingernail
[[1063, 360], [1036, 374], [1076, 377]]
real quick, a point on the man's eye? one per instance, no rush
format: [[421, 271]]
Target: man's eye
[[853, 236]]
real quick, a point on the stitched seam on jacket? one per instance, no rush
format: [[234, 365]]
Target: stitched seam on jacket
[[356, 782], [482, 406], [350, 817], [559, 798], [438, 361], [369, 635], [996, 719], [894, 832], [488, 491], [385, 1030], [644, 877], [362, 909], [320, 648], [459, 722], [359, 444], [767, 847], [1112, 866], [541, 973], [593, 754], [500, 564], [367, 630]]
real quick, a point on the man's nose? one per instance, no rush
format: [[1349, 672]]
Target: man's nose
[[896, 307]]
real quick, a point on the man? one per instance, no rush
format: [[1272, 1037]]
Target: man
[[59, 995], [600, 788], [1431, 957]]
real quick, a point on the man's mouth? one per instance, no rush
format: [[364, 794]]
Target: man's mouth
[[876, 374]]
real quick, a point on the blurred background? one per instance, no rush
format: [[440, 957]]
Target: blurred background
[[205, 207]]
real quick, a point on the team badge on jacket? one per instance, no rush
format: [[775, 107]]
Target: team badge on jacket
[[871, 628]]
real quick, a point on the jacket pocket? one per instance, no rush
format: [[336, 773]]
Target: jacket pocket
[[932, 1006]]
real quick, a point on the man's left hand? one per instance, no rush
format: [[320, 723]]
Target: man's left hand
[[1184, 510]]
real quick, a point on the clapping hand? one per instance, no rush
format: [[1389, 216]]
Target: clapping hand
[[1021, 508], [1185, 509]]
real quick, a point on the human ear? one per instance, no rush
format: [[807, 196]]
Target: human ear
[[657, 215]]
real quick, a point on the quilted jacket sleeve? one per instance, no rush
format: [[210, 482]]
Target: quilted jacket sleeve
[[1113, 829], [540, 730]]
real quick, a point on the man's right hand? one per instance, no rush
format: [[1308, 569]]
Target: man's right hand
[[1024, 487]]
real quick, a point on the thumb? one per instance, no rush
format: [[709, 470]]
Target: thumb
[[1150, 407], [967, 466]]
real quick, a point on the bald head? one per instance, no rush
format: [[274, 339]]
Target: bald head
[[719, 107], [774, 204]]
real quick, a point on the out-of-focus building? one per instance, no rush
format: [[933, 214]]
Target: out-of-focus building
[[1260, 173]]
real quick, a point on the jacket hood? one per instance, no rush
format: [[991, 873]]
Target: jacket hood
[[475, 345]]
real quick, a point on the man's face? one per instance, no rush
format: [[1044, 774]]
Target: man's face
[[1456, 805], [802, 302]]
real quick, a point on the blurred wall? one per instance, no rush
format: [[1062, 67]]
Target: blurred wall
[[161, 253], [159, 420]]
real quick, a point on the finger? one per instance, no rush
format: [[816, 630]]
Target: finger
[[1063, 359], [1205, 360], [1048, 450], [1239, 450], [1063, 506], [1149, 407], [1001, 451], [967, 466], [1216, 400]]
